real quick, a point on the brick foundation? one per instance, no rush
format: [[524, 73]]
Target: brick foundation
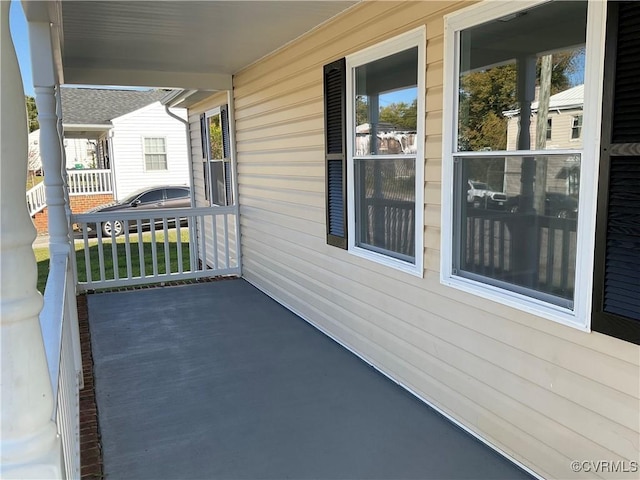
[[79, 204]]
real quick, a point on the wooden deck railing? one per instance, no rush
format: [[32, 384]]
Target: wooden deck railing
[[89, 182], [36, 200], [80, 182], [533, 251], [59, 324], [156, 246]]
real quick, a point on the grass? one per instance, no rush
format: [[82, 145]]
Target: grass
[[33, 180], [42, 256]]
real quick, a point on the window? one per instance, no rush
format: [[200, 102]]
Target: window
[[155, 153], [576, 127], [217, 157], [173, 193], [154, 196], [511, 222], [374, 94]]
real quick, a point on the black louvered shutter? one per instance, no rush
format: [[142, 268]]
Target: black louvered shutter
[[335, 152], [203, 135], [226, 147], [616, 308]]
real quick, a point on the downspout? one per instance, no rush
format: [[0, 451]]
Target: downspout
[[192, 227], [186, 127]]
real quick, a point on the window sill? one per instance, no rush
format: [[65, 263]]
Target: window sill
[[410, 268], [518, 301]]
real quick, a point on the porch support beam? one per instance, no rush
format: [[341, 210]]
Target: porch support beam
[[51, 144], [148, 78], [30, 447]]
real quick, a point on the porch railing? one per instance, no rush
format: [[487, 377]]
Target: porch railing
[[36, 200], [80, 182], [154, 246], [59, 324], [493, 248], [89, 182]]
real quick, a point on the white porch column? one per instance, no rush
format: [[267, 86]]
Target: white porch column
[[50, 152], [63, 154], [30, 447], [44, 81]]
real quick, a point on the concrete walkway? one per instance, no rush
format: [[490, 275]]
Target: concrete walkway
[[216, 380]]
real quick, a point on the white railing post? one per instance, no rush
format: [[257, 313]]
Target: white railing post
[[50, 152], [30, 447], [67, 202]]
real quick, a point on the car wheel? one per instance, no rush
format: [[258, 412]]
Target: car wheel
[[118, 228]]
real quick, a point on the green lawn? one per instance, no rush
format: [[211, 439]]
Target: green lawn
[[42, 257], [33, 180]]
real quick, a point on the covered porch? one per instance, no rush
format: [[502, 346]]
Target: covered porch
[[250, 390], [81, 43]]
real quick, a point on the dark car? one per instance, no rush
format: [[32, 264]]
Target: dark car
[[555, 205], [146, 199]]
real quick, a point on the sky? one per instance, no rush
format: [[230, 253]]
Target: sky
[[20, 35]]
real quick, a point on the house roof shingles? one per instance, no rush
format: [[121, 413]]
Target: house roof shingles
[[94, 106]]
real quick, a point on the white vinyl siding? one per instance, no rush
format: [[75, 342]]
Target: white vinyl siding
[[128, 153], [543, 393], [155, 153]]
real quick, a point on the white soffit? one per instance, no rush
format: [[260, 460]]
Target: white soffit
[[186, 44]]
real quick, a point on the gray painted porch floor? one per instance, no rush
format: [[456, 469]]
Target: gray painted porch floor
[[216, 380]]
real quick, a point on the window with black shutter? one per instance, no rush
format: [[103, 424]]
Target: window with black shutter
[[335, 153], [616, 299]]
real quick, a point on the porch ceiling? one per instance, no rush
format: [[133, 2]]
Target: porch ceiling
[[184, 44]]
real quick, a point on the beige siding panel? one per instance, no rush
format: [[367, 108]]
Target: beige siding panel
[[308, 169], [292, 210], [305, 183], [433, 123], [542, 392]]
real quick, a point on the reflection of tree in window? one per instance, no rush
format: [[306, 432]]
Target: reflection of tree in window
[[484, 96], [215, 137]]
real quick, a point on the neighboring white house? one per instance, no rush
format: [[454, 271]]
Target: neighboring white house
[[128, 132]]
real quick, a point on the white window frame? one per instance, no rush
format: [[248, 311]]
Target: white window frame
[[580, 316], [145, 153], [411, 39], [228, 160]]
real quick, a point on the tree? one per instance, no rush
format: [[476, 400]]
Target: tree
[[401, 115], [484, 96], [32, 113]]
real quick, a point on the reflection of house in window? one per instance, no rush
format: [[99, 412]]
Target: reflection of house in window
[[576, 127], [565, 116]]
